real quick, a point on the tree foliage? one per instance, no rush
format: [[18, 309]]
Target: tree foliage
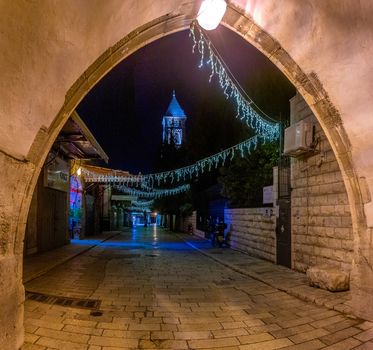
[[243, 180]]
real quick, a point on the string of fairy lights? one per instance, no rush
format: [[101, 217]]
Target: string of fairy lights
[[142, 204], [246, 110], [177, 175], [267, 129], [155, 193]]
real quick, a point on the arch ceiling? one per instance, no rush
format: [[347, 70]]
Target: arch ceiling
[[54, 52]]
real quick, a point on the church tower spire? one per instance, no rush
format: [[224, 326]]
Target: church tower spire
[[174, 123]]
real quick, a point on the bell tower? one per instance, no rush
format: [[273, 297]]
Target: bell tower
[[174, 123]]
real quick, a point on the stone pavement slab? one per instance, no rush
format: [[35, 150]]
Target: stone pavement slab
[[38, 264], [157, 292], [277, 276]]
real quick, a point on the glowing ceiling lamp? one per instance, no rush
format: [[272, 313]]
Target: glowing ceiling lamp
[[211, 13]]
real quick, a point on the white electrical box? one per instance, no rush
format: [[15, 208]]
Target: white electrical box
[[298, 139]]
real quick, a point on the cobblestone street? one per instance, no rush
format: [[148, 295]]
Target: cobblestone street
[[150, 290]]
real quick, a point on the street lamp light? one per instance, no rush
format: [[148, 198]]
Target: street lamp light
[[211, 13]]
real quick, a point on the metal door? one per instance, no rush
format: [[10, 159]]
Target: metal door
[[283, 233], [283, 228], [52, 219]]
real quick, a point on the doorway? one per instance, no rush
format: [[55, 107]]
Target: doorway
[[283, 227]]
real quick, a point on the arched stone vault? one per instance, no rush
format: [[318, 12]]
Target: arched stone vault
[[49, 59]]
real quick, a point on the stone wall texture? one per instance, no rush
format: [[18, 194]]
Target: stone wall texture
[[192, 219], [321, 219], [252, 231], [43, 41]]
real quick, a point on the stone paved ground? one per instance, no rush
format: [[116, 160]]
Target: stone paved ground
[[280, 277], [38, 264], [157, 292]]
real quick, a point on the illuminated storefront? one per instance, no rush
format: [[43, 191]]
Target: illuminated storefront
[[75, 206]]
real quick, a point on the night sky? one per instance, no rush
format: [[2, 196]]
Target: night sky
[[124, 111]]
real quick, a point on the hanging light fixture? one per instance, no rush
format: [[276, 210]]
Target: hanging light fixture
[[211, 13]]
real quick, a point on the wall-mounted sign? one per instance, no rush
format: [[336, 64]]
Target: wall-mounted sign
[[268, 195], [57, 175], [123, 197]]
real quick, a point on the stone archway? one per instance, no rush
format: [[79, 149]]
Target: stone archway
[[20, 172]]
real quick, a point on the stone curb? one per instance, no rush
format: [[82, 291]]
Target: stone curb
[[345, 309], [67, 258]]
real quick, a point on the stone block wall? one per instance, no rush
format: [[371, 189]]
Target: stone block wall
[[321, 224], [187, 221], [321, 219], [31, 233], [253, 230], [192, 219]]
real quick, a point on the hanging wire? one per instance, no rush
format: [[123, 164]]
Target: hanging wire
[[247, 110], [184, 173], [232, 76]]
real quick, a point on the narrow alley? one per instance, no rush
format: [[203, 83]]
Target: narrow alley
[[147, 289]]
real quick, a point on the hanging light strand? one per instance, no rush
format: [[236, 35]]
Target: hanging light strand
[[246, 110], [155, 194], [143, 204], [178, 175], [133, 208]]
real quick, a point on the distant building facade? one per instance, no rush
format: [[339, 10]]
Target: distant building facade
[[174, 123]]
